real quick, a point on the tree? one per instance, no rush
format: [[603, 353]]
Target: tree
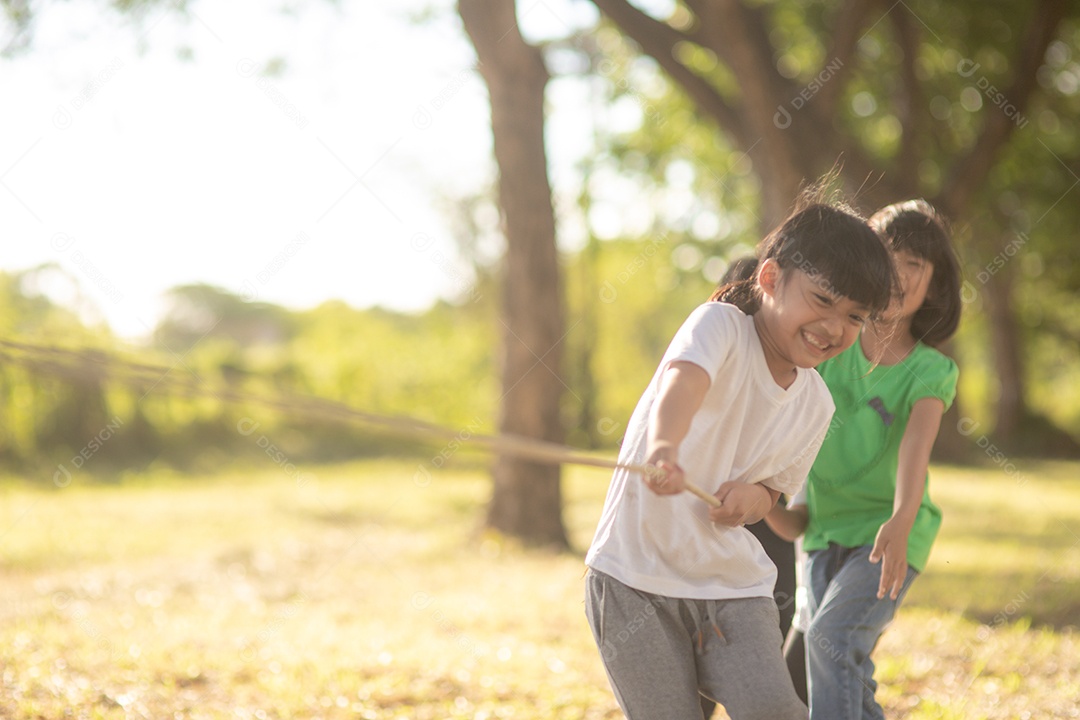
[[47, 415], [779, 118], [777, 78], [526, 501], [200, 311]]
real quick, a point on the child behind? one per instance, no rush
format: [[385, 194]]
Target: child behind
[[866, 496], [678, 595]]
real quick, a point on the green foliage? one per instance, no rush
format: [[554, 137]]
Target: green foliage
[[437, 366], [626, 300], [44, 416], [701, 187], [197, 313]]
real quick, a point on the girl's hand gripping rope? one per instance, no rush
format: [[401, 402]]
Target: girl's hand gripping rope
[[664, 477], [741, 504]]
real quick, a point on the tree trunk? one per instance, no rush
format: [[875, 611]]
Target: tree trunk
[[526, 502], [1011, 410]]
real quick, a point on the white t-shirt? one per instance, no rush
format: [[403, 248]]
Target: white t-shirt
[[747, 429]]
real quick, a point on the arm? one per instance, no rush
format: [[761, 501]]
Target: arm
[[892, 538], [743, 503], [682, 388], [788, 522]]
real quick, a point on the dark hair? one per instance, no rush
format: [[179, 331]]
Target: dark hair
[[742, 269], [832, 244], [737, 286], [916, 227]]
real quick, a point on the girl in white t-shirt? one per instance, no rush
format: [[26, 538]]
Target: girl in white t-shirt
[[679, 595]]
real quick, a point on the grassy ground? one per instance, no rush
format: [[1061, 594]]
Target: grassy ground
[[355, 592]]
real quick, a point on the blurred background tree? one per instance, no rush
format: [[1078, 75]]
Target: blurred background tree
[[706, 117], [526, 501]]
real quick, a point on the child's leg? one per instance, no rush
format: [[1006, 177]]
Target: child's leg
[[846, 621], [795, 658], [647, 651], [740, 663], [782, 553]]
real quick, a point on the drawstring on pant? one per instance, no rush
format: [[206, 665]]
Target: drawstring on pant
[[699, 622]]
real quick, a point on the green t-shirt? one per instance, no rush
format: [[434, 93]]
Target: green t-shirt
[[852, 484]]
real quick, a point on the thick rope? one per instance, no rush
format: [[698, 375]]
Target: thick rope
[[98, 366]]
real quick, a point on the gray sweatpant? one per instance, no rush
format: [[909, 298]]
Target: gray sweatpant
[[661, 652]]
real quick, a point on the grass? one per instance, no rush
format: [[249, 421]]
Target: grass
[[1009, 547], [357, 593]]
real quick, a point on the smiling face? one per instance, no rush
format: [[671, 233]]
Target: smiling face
[[802, 321]]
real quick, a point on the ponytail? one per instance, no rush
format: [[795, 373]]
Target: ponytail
[[738, 287], [743, 294]]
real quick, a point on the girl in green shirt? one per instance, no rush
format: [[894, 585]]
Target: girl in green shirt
[[868, 518]]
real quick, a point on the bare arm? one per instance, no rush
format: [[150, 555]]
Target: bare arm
[[682, 388], [914, 459], [788, 522]]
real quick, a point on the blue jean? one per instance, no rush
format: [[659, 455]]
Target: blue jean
[[846, 620]]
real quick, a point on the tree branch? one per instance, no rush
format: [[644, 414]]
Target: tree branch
[[781, 150], [849, 21], [658, 40], [911, 109], [489, 25], [756, 32], [972, 170], [837, 66]]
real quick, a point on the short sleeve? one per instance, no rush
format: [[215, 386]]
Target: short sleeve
[[937, 380], [706, 338]]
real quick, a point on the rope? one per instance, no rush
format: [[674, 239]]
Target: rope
[[99, 366]]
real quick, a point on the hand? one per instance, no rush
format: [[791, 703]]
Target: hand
[[668, 478], [742, 503], [891, 545]]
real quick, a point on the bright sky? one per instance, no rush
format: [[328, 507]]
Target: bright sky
[[137, 169]]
